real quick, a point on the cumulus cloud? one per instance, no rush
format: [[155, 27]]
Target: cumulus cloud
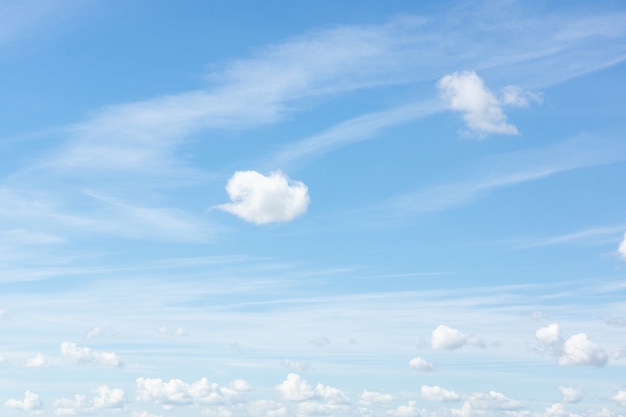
[[447, 338], [105, 399], [436, 393], [178, 392], [294, 388], [571, 395], [486, 403], [261, 199], [576, 350], [36, 361], [69, 407], [620, 398], [84, 355], [109, 398], [482, 112], [421, 364], [621, 250], [409, 410], [31, 402]]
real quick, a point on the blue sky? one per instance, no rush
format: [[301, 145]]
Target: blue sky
[[313, 208]]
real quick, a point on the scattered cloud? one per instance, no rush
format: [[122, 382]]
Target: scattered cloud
[[375, 397], [465, 92], [105, 398], [620, 398], [84, 355], [571, 395], [420, 364], [576, 350], [436, 393], [491, 403], [300, 366], [409, 410], [513, 96], [31, 402], [178, 392], [447, 338], [36, 361], [261, 199], [621, 250]]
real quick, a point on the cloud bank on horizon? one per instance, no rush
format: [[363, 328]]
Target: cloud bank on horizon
[[262, 210]]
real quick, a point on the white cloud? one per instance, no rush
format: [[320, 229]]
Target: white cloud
[[109, 398], [94, 332], [375, 397], [409, 410], [576, 350], [36, 361], [579, 350], [513, 96], [79, 355], [465, 92], [571, 395], [70, 407], [491, 403], [436, 393], [420, 364], [294, 388], [621, 250], [31, 402], [444, 337], [620, 398], [447, 338], [261, 199]]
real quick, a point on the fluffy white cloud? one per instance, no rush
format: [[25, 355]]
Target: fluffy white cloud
[[621, 250], [76, 354], [261, 199], [31, 402], [447, 338], [409, 410], [109, 398], [36, 361], [571, 395], [421, 364], [576, 350], [620, 397], [579, 350], [178, 392], [491, 403], [465, 92], [436, 393], [294, 388], [444, 337], [71, 407]]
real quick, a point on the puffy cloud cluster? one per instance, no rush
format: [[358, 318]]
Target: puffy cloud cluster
[[321, 400], [447, 338], [436, 393], [261, 199], [576, 350], [375, 397], [491, 403], [31, 402], [420, 364], [105, 399], [482, 111], [178, 392], [84, 355]]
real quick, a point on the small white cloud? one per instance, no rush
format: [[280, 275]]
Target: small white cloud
[[78, 355], [94, 332], [579, 350], [261, 199], [444, 337], [436, 393], [31, 402], [109, 398], [409, 410], [571, 395], [465, 92], [294, 388], [70, 407], [320, 341], [484, 403], [620, 398], [375, 397], [181, 332], [420, 364], [36, 361], [178, 392], [621, 250], [550, 335], [513, 96]]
